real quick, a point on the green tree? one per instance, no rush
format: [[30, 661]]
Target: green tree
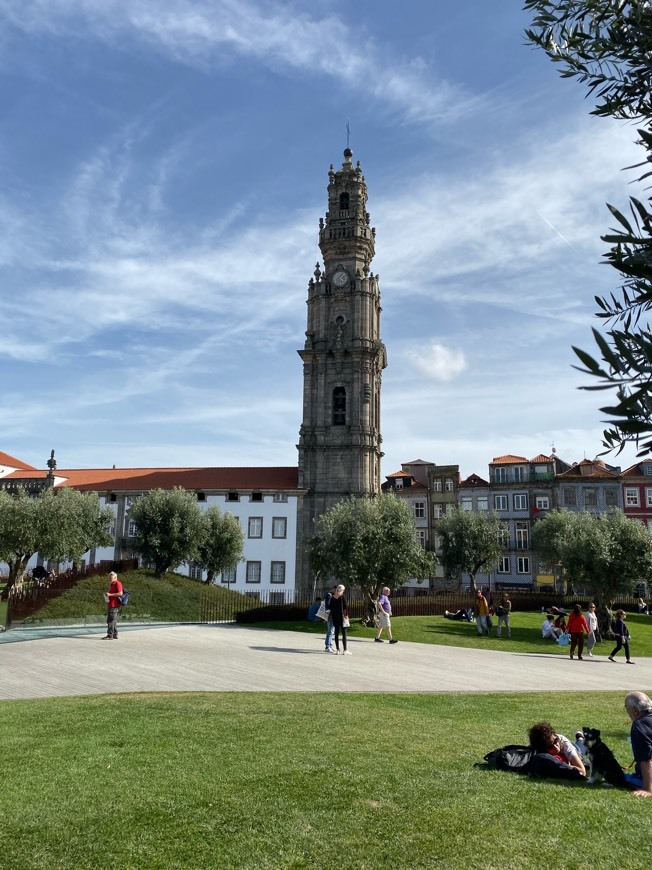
[[607, 45], [170, 528], [223, 543], [369, 543], [609, 552], [470, 541], [58, 524]]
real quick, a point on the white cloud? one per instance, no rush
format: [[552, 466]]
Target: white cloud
[[281, 37], [436, 361]]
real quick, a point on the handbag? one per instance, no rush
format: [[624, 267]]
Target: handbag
[[322, 613], [563, 639], [346, 622]]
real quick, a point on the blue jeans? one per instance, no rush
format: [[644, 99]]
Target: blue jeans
[[330, 633], [481, 621], [634, 780]]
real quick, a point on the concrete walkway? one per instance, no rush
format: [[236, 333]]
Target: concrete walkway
[[231, 658]]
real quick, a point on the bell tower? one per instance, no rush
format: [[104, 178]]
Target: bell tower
[[343, 357]]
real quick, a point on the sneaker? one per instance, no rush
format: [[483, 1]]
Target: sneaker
[[328, 650], [611, 659], [393, 640], [379, 640], [590, 655], [334, 651], [630, 662], [106, 637], [580, 659], [347, 653]]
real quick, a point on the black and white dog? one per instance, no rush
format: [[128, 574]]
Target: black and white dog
[[603, 761]]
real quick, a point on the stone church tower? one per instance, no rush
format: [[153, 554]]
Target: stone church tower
[[343, 357]]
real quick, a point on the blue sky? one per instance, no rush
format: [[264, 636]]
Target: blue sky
[[163, 169]]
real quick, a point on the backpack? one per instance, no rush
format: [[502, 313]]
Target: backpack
[[124, 598], [513, 757]]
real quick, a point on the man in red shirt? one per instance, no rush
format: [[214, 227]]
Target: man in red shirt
[[112, 598]]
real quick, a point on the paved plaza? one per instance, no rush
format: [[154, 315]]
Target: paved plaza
[[229, 658]]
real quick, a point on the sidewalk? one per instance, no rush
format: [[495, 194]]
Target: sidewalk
[[230, 658]]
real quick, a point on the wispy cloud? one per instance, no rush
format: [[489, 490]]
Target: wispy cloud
[[279, 36]]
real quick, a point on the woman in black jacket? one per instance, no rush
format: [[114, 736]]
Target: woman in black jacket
[[621, 632], [339, 613]]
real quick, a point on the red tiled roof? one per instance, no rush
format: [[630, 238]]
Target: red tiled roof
[[143, 479], [509, 459], [474, 480], [398, 474], [589, 468], [12, 462], [636, 470], [541, 458]]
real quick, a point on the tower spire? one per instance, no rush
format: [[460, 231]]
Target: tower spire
[[343, 357]]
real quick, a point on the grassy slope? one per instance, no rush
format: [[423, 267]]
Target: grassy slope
[[170, 598], [288, 781]]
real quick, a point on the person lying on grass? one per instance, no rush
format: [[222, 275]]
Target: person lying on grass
[[544, 739]]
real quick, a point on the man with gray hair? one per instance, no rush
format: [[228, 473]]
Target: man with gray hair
[[639, 708]]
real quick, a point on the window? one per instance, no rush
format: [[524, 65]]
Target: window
[[520, 473], [111, 529], [422, 537], [569, 497], [590, 496], [437, 511], [500, 502], [611, 497], [522, 536], [542, 502], [253, 572], [450, 484], [201, 496], [232, 496], [344, 202], [500, 475], [256, 496], [649, 526], [278, 572], [398, 484], [631, 497], [520, 502], [523, 565], [112, 497], [450, 510], [648, 497], [255, 527], [647, 469], [229, 576], [277, 597], [503, 535], [483, 503], [131, 529], [419, 510], [280, 496], [466, 503], [436, 485], [279, 527], [503, 565], [339, 406], [195, 572], [254, 595]]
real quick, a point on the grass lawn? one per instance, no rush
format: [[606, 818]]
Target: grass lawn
[[305, 781], [526, 633]]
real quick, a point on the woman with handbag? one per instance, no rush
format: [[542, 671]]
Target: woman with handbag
[[340, 617]]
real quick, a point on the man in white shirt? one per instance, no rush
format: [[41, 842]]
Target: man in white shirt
[[548, 628]]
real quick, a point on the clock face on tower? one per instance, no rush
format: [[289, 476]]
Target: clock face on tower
[[340, 278]]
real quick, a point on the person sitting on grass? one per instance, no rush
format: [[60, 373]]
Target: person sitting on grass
[[548, 629], [544, 739]]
